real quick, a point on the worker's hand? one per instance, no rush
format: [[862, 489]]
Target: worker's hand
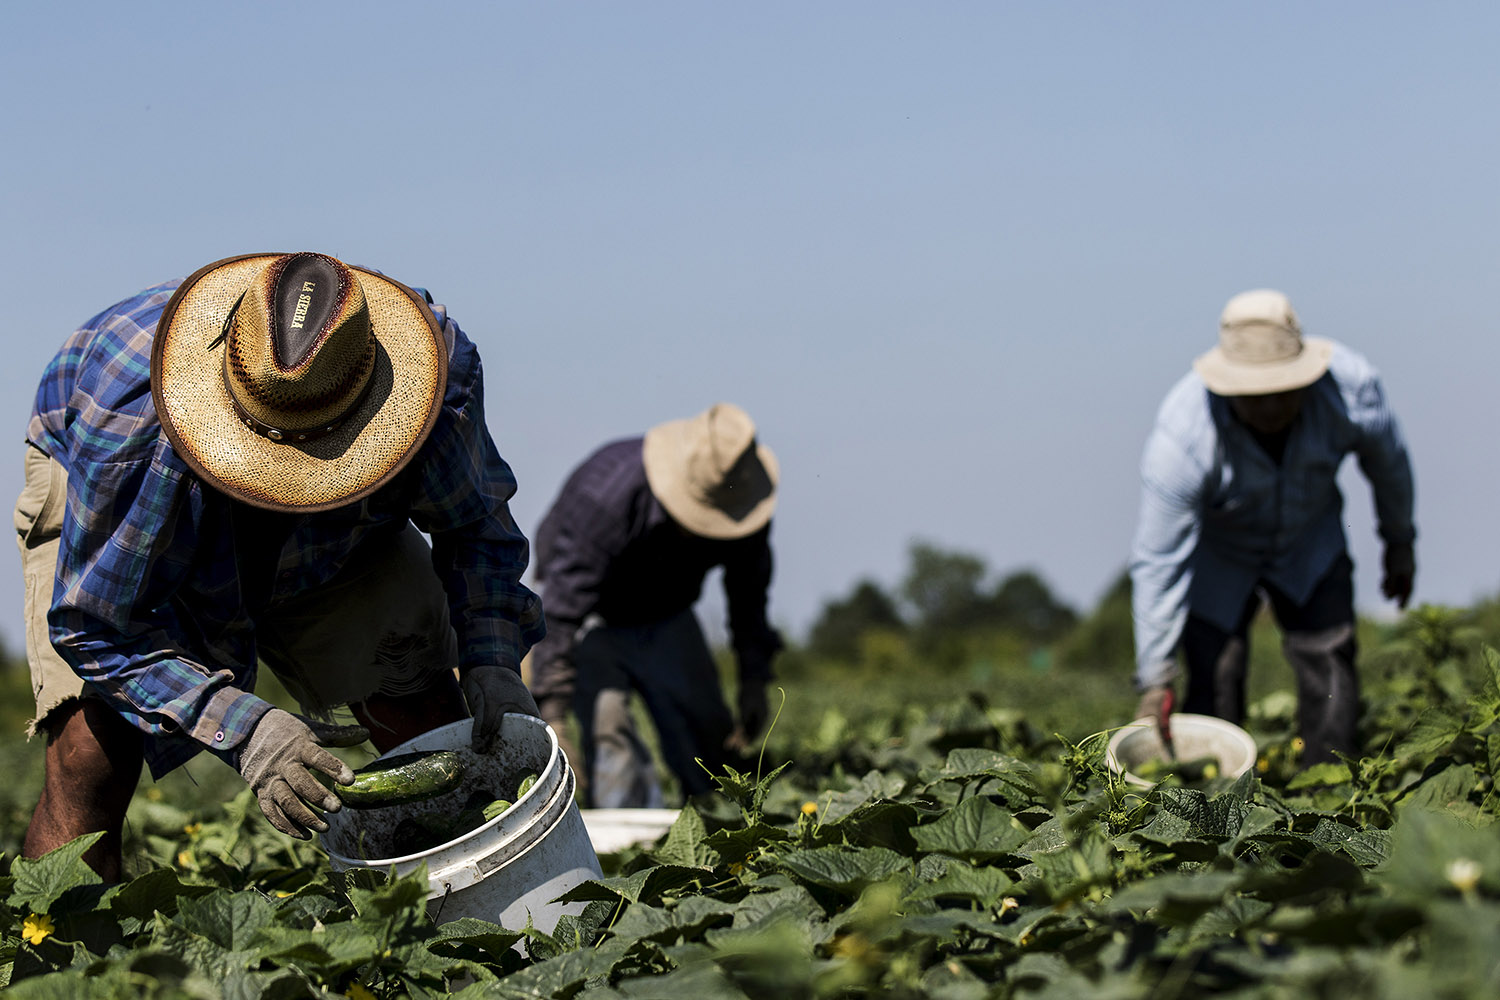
[[274, 761], [1156, 704], [1400, 565], [491, 691]]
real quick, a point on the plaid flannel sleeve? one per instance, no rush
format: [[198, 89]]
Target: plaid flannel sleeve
[[128, 541]]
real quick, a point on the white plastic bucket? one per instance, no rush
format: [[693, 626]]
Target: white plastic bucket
[[1193, 736], [504, 871]]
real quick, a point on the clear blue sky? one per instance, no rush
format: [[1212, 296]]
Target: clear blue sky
[[950, 256]]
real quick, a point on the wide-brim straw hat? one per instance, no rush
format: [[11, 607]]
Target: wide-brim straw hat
[[1261, 349], [294, 382], [711, 474]]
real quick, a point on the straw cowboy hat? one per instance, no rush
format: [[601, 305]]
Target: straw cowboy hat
[[710, 474], [1261, 349], [294, 382]]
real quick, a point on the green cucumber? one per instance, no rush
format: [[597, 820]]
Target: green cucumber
[[525, 785], [495, 808], [407, 777]]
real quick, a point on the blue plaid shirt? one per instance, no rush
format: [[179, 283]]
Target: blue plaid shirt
[[149, 603], [1219, 515]]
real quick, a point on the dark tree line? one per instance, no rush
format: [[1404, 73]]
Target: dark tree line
[[944, 597]]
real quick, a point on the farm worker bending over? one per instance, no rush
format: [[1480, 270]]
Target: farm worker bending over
[[1239, 501], [235, 467], [621, 558]]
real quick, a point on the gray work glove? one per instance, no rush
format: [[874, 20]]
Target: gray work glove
[[491, 691], [274, 761]]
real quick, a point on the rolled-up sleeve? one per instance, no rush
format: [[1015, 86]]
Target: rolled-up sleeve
[[129, 537], [1166, 535]]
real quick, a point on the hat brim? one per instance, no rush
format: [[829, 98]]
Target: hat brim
[[364, 452], [1224, 377], [664, 452]]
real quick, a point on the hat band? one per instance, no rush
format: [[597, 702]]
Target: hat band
[[273, 433]]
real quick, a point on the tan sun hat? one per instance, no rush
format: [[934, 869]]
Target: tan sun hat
[[294, 382], [1261, 349], [711, 474]]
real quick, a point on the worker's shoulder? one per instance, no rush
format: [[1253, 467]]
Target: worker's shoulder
[[141, 310], [611, 471], [1348, 366], [1185, 407]]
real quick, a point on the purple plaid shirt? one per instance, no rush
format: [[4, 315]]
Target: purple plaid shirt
[[607, 547], [151, 603]]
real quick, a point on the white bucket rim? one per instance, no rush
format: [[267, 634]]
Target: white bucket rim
[[1232, 764], [447, 737]]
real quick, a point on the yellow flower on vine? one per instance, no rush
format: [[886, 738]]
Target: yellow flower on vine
[[808, 808], [357, 991], [37, 928]]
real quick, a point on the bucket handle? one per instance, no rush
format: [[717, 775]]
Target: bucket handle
[[447, 891]]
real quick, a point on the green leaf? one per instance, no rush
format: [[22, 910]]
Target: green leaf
[[1220, 817], [874, 786], [41, 882], [745, 791], [1447, 790], [648, 884], [875, 824], [1365, 847], [975, 830], [478, 941], [845, 869], [1016, 779], [983, 885], [793, 904], [1326, 773], [400, 896], [1435, 854], [230, 920], [694, 981], [562, 976], [1435, 730], [333, 950], [159, 889], [738, 844], [944, 926], [1166, 829], [684, 844], [688, 919], [1318, 876]]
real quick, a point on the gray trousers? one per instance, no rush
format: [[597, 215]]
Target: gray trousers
[[1317, 640], [669, 665]]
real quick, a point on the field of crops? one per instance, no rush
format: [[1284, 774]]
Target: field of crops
[[968, 844]]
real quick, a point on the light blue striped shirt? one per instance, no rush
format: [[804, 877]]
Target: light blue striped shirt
[[1218, 515]]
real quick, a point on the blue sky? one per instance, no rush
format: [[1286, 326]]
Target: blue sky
[[948, 256]]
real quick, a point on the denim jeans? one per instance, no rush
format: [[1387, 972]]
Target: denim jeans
[[669, 665], [1318, 641]]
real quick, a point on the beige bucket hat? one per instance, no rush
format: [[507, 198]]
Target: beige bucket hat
[[294, 382], [711, 474], [1261, 349]]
